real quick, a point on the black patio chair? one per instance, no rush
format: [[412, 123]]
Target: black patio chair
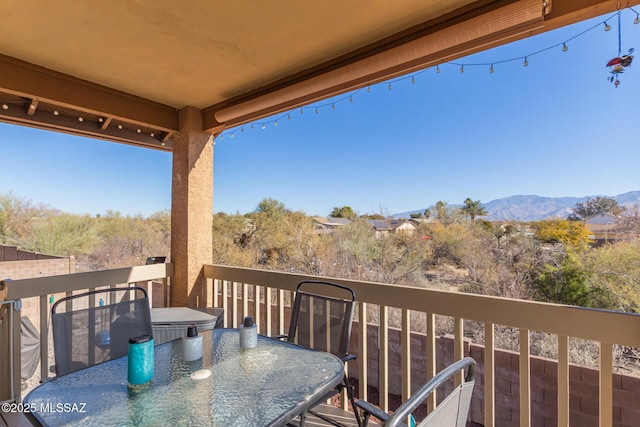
[[95, 326], [452, 411], [321, 319]]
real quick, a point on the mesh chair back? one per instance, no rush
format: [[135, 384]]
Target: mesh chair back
[[95, 326], [321, 317]]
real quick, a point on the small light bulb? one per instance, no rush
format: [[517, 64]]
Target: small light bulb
[[138, 130], [100, 119], [242, 129], [413, 80], [525, 63], [607, 27], [251, 126], [438, 69], [55, 113], [637, 20], [288, 116], [390, 86], [232, 135], [462, 68], [491, 70], [264, 127], [5, 107], [368, 88], [316, 110], [153, 134], [351, 99], [333, 106], [221, 137], [119, 126], [163, 144], [301, 111], [275, 123], [565, 47], [33, 107], [80, 119]]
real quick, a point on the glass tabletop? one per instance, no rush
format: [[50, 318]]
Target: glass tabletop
[[264, 386]]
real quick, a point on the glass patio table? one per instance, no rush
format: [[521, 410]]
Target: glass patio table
[[265, 386]]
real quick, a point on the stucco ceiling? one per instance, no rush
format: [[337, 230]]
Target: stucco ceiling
[[133, 64]]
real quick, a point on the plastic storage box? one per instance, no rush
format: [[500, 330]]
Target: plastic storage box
[[171, 323]]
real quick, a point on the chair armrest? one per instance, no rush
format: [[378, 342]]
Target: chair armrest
[[372, 410]]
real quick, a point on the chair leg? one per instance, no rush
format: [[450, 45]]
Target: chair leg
[[352, 399]]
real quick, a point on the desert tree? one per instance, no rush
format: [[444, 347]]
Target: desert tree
[[343, 212], [593, 207], [473, 208]]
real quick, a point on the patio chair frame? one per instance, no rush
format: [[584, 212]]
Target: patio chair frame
[[461, 395], [308, 290]]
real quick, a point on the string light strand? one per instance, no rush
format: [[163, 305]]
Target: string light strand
[[351, 96]]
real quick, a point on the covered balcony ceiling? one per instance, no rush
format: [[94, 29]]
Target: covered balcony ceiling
[[121, 70]]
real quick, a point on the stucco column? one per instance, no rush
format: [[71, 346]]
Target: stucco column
[[191, 210]]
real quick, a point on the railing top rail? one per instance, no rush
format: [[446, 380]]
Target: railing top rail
[[26, 288], [579, 322]]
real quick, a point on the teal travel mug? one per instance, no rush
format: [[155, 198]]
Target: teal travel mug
[[140, 363]]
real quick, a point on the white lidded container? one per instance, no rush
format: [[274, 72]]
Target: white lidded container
[[248, 334], [192, 344]]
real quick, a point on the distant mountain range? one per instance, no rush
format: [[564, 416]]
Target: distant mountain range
[[535, 208]]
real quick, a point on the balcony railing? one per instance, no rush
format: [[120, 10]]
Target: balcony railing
[[266, 295]]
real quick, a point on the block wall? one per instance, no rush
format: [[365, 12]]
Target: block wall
[[18, 264]]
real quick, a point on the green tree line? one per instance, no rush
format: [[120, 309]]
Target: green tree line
[[550, 260]]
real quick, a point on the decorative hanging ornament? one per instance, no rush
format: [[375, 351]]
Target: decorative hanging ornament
[[620, 63]]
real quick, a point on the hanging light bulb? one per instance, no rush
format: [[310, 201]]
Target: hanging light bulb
[[251, 125], [301, 110], [289, 116], [264, 126], [232, 135], [55, 113], [462, 68], [333, 106], [152, 134], [350, 98], [138, 130], [221, 136], [607, 27], [242, 129], [5, 107], [119, 126], [316, 110], [368, 88], [80, 119], [637, 20], [438, 69], [275, 123], [413, 80], [491, 70], [389, 87], [525, 63], [565, 47]]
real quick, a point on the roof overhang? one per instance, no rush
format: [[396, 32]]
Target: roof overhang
[[122, 70]]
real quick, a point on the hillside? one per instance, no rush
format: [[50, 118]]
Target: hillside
[[534, 208]]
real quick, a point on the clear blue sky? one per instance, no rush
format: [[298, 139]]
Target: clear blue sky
[[554, 128]]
